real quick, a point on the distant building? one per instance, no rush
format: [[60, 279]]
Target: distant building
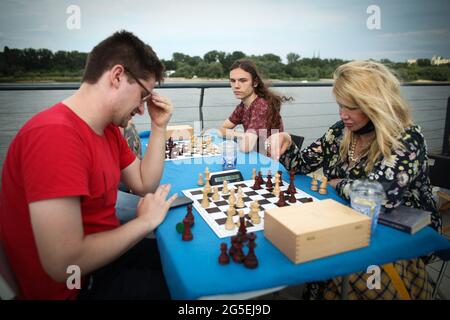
[[437, 60], [411, 61]]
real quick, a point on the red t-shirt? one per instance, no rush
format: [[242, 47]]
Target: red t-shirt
[[56, 154], [254, 117]]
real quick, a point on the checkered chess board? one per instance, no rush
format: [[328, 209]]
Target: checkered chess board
[[216, 214], [181, 151]]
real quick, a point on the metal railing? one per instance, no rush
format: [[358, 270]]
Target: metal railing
[[224, 84]]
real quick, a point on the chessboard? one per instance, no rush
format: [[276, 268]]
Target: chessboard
[[186, 149], [216, 214]]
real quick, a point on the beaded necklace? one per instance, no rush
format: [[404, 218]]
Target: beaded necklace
[[352, 149]]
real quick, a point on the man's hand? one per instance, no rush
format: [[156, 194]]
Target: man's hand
[[277, 144], [153, 207], [160, 110]]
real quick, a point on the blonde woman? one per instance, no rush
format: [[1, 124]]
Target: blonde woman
[[376, 139]]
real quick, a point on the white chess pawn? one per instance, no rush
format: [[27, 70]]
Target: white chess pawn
[[225, 188], [215, 195], [254, 213], [254, 174], [200, 179], [323, 185], [240, 201], [241, 214], [276, 189], [205, 200], [207, 186], [232, 198], [229, 224]]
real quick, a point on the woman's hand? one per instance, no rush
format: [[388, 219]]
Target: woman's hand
[[277, 144], [334, 182]]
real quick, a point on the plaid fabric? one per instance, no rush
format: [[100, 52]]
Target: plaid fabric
[[412, 272]]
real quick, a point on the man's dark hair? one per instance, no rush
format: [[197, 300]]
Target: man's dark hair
[[126, 49]]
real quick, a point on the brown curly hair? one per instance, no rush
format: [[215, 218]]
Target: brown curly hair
[[274, 100]]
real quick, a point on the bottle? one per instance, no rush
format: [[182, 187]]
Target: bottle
[[366, 196], [229, 154]]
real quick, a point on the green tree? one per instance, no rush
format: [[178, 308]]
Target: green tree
[[209, 70], [292, 57], [423, 62]]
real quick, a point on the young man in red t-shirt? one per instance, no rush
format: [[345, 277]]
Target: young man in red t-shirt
[[60, 179], [259, 110]]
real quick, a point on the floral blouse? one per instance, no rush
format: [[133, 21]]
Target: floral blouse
[[403, 175]]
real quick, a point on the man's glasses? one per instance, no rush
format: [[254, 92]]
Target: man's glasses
[[148, 93]]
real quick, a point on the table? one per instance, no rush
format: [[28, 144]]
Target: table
[[191, 268]]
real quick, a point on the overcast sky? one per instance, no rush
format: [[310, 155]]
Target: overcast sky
[[336, 29]]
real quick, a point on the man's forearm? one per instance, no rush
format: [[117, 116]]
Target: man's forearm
[[153, 162]]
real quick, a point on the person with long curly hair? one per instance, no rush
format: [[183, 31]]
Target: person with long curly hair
[[259, 110]]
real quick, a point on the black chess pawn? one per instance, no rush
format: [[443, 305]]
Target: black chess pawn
[[187, 234], [282, 201], [223, 258], [242, 231], [232, 246], [292, 198], [251, 261], [189, 215], [257, 185], [281, 178], [238, 255]]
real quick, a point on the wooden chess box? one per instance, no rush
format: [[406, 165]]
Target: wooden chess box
[[181, 131], [316, 229]]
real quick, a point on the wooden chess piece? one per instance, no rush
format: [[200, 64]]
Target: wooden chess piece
[[238, 254], [323, 185], [231, 250], [260, 177], [215, 195], [292, 198], [189, 216], [242, 232], [276, 189], [223, 258], [205, 200], [257, 185], [229, 224], [254, 213], [314, 184], [254, 174], [225, 190], [207, 173], [187, 234], [240, 202], [281, 201], [251, 261], [200, 179], [232, 198], [207, 186]]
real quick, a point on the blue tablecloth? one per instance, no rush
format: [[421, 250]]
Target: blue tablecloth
[[192, 269]]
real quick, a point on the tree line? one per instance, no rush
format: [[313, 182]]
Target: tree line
[[42, 64]]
